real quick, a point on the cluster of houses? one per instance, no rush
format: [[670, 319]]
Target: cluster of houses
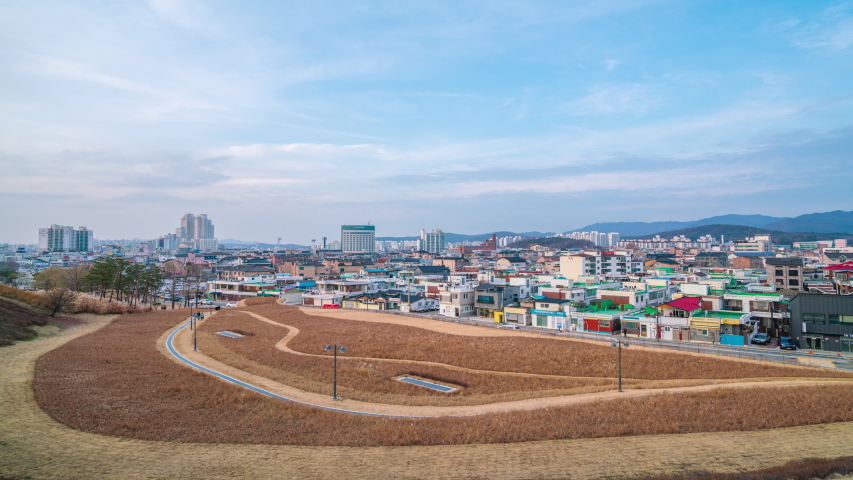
[[713, 297]]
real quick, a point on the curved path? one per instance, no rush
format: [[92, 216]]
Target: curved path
[[293, 332], [180, 346], [33, 445]]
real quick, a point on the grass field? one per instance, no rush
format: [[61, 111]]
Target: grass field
[[32, 445], [116, 382], [375, 381]]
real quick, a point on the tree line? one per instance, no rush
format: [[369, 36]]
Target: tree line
[[111, 278]]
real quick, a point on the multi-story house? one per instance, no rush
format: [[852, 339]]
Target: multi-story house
[[490, 298], [768, 308], [617, 264], [823, 322], [712, 260], [785, 272], [548, 264], [834, 258], [511, 263], [748, 261], [457, 302]]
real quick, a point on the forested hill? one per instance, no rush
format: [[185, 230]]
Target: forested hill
[[559, 243]]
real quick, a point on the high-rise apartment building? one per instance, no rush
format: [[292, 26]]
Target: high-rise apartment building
[[432, 242], [358, 238], [195, 226], [61, 238]]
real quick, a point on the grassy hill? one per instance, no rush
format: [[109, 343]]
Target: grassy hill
[[739, 232], [553, 242]]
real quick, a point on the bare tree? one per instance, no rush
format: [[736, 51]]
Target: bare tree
[[59, 299]]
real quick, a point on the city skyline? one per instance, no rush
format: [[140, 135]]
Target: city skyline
[[557, 115]]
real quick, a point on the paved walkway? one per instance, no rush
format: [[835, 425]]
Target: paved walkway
[[179, 344]]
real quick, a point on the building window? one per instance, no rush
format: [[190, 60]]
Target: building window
[[604, 323], [835, 319], [541, 321], [793, 281], [779, 272], [703, 332], [485, 299], [814, 318]]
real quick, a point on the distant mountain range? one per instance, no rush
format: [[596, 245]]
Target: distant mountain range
[[829, 222]]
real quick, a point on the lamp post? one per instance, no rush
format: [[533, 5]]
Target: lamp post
[[617, 343], [657, 323], [335, 348]]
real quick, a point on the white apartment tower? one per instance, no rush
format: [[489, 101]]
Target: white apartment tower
[[432, 242], [61, 238]]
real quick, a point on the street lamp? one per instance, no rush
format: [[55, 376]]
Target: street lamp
[[335, 348], [614, 343]]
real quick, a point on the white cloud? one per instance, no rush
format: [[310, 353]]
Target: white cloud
[[611, 64], [614, 99]]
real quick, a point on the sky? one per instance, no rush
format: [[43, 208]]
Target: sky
[[288, 119]]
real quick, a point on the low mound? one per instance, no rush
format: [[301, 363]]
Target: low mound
[[260, 301], [16, 322], [116, 382]]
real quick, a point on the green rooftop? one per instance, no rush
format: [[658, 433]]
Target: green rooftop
[[755, 294]]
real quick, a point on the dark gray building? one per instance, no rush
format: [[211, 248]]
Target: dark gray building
[[822, 322], [489, 298]]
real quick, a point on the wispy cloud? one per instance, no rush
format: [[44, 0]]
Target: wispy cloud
[[633, 98], [611, 64]]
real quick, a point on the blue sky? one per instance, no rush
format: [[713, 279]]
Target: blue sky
[[288, 119]]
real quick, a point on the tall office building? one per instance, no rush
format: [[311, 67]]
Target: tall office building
[[432, 242], [358, 238], [61, 238]]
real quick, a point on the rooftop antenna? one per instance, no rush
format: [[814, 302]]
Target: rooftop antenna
[[368, 221]]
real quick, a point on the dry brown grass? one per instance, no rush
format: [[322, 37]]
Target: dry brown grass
[[541, 355], [115, 382], [33, 299], [805, 469], [370, 380], [16, 322], [84, 303]]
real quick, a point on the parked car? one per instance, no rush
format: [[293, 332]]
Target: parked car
[[785, 343], [761, 338], [511, 326], [231, 304], [207, 302]]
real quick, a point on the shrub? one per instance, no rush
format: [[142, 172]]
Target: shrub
[[33, 299]]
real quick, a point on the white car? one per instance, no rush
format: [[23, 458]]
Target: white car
[[230, 304]]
